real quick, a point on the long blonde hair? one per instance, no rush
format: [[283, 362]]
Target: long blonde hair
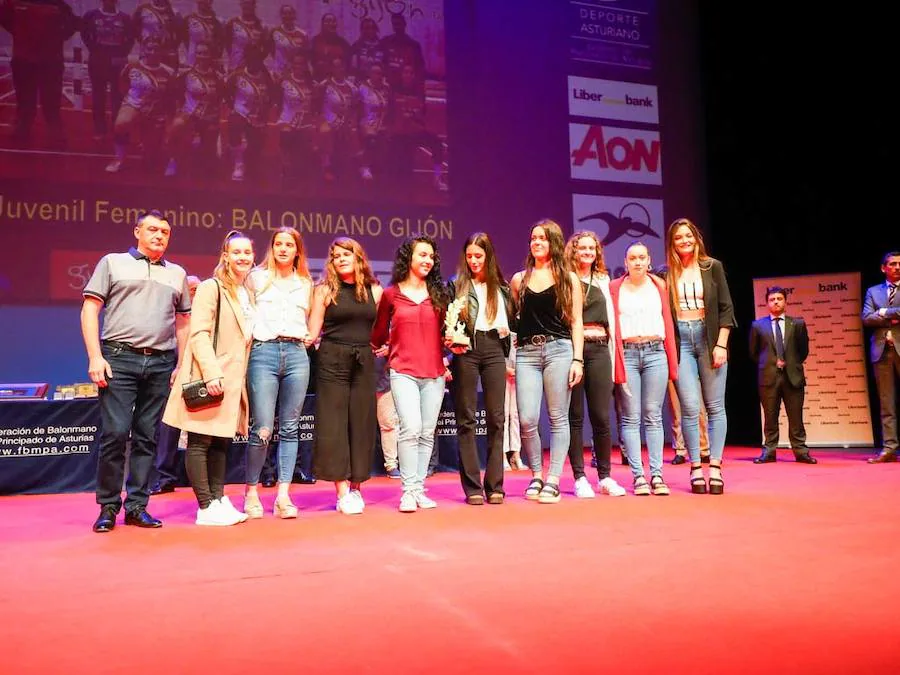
[[223, 272], [364, 278], [558, 267], [300, 264]]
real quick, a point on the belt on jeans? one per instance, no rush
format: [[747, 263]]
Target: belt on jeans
[[146, 351], [641, 345], [282, 338], [492, 333], [597, 339], [537, 340]]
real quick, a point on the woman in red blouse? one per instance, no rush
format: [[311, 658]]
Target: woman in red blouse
[[410, 319]]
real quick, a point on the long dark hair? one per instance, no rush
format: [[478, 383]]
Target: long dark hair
[[433, 282], [492, 275], [558, 267]]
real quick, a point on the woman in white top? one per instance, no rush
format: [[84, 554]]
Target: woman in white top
[[485, 313], [278, 369], [584, 254], [701, 302], [645, 362]]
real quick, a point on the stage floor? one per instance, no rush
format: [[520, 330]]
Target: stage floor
[[791, 571]]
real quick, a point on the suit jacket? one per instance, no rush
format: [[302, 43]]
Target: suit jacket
[[719, 309], [228, 361], [876, 298], [796, 349]]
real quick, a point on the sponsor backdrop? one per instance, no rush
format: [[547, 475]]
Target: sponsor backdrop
[[836, 408], [575, 130]]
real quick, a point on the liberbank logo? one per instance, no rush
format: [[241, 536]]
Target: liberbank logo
[[607, 99], [615, 154]]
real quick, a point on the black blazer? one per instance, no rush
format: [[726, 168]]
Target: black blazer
[[717, 304], [472, 311], [796, 349]]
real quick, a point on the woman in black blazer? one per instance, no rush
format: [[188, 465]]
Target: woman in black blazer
[[704, 318]]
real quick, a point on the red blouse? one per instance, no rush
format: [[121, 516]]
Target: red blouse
[[416, 347]]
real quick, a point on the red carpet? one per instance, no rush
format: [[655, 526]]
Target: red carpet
[[793, 570]]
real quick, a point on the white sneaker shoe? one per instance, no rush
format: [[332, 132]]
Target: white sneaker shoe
[[359, 498], [216, 515], [226, 503], [349, 505], [423, 501], [609, 486], [583, 489], [408, 503], [114, 166]]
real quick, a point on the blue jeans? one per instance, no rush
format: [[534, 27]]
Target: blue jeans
[[418, 401], [544, 369], [277, 372], [647, 375], [696, 378], [132, 403]]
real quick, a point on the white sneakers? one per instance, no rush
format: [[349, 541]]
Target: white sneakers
[[608, 486], [411, 501], [351, 504], [220, 513], [583, 489]]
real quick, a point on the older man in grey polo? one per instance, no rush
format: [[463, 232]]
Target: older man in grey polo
[[146, 307]]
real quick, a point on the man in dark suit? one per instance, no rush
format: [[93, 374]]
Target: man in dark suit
[[881, 312], [780, 344]]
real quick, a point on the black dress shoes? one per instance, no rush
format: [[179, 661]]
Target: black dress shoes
[[883, 457], [162, 488], [268, 481], [140, 518], [765, 458], [678, 459], [306, 479], [106, 521], [805, 459]]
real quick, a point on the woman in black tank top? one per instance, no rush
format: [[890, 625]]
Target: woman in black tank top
[[343, 310], [584, 254], [548, 353]]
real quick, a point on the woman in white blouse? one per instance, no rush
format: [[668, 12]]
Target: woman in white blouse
[[278, 369], [645, 362], [486, 314]]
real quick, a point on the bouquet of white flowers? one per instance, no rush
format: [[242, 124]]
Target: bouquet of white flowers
[[456, 329]]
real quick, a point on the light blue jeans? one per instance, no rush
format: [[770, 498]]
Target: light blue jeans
[[647, 375], [418, 401], [544, 370], [277, 372], [696, 378]]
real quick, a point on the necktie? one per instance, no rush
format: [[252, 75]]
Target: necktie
[[892, 290], [779, 340]]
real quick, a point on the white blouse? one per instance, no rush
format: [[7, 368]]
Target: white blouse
[[501, 322], [640, 311], [281, 306]]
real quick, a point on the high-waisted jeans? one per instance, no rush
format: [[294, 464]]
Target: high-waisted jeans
[[277, 372], [544, 370], [647, 374], [697, 378], [418, 401]]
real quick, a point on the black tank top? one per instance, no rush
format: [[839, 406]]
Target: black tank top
[[594, 307], [539, 315], [349, 321]]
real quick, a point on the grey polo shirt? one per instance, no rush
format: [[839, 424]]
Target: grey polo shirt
[[140, 299]]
